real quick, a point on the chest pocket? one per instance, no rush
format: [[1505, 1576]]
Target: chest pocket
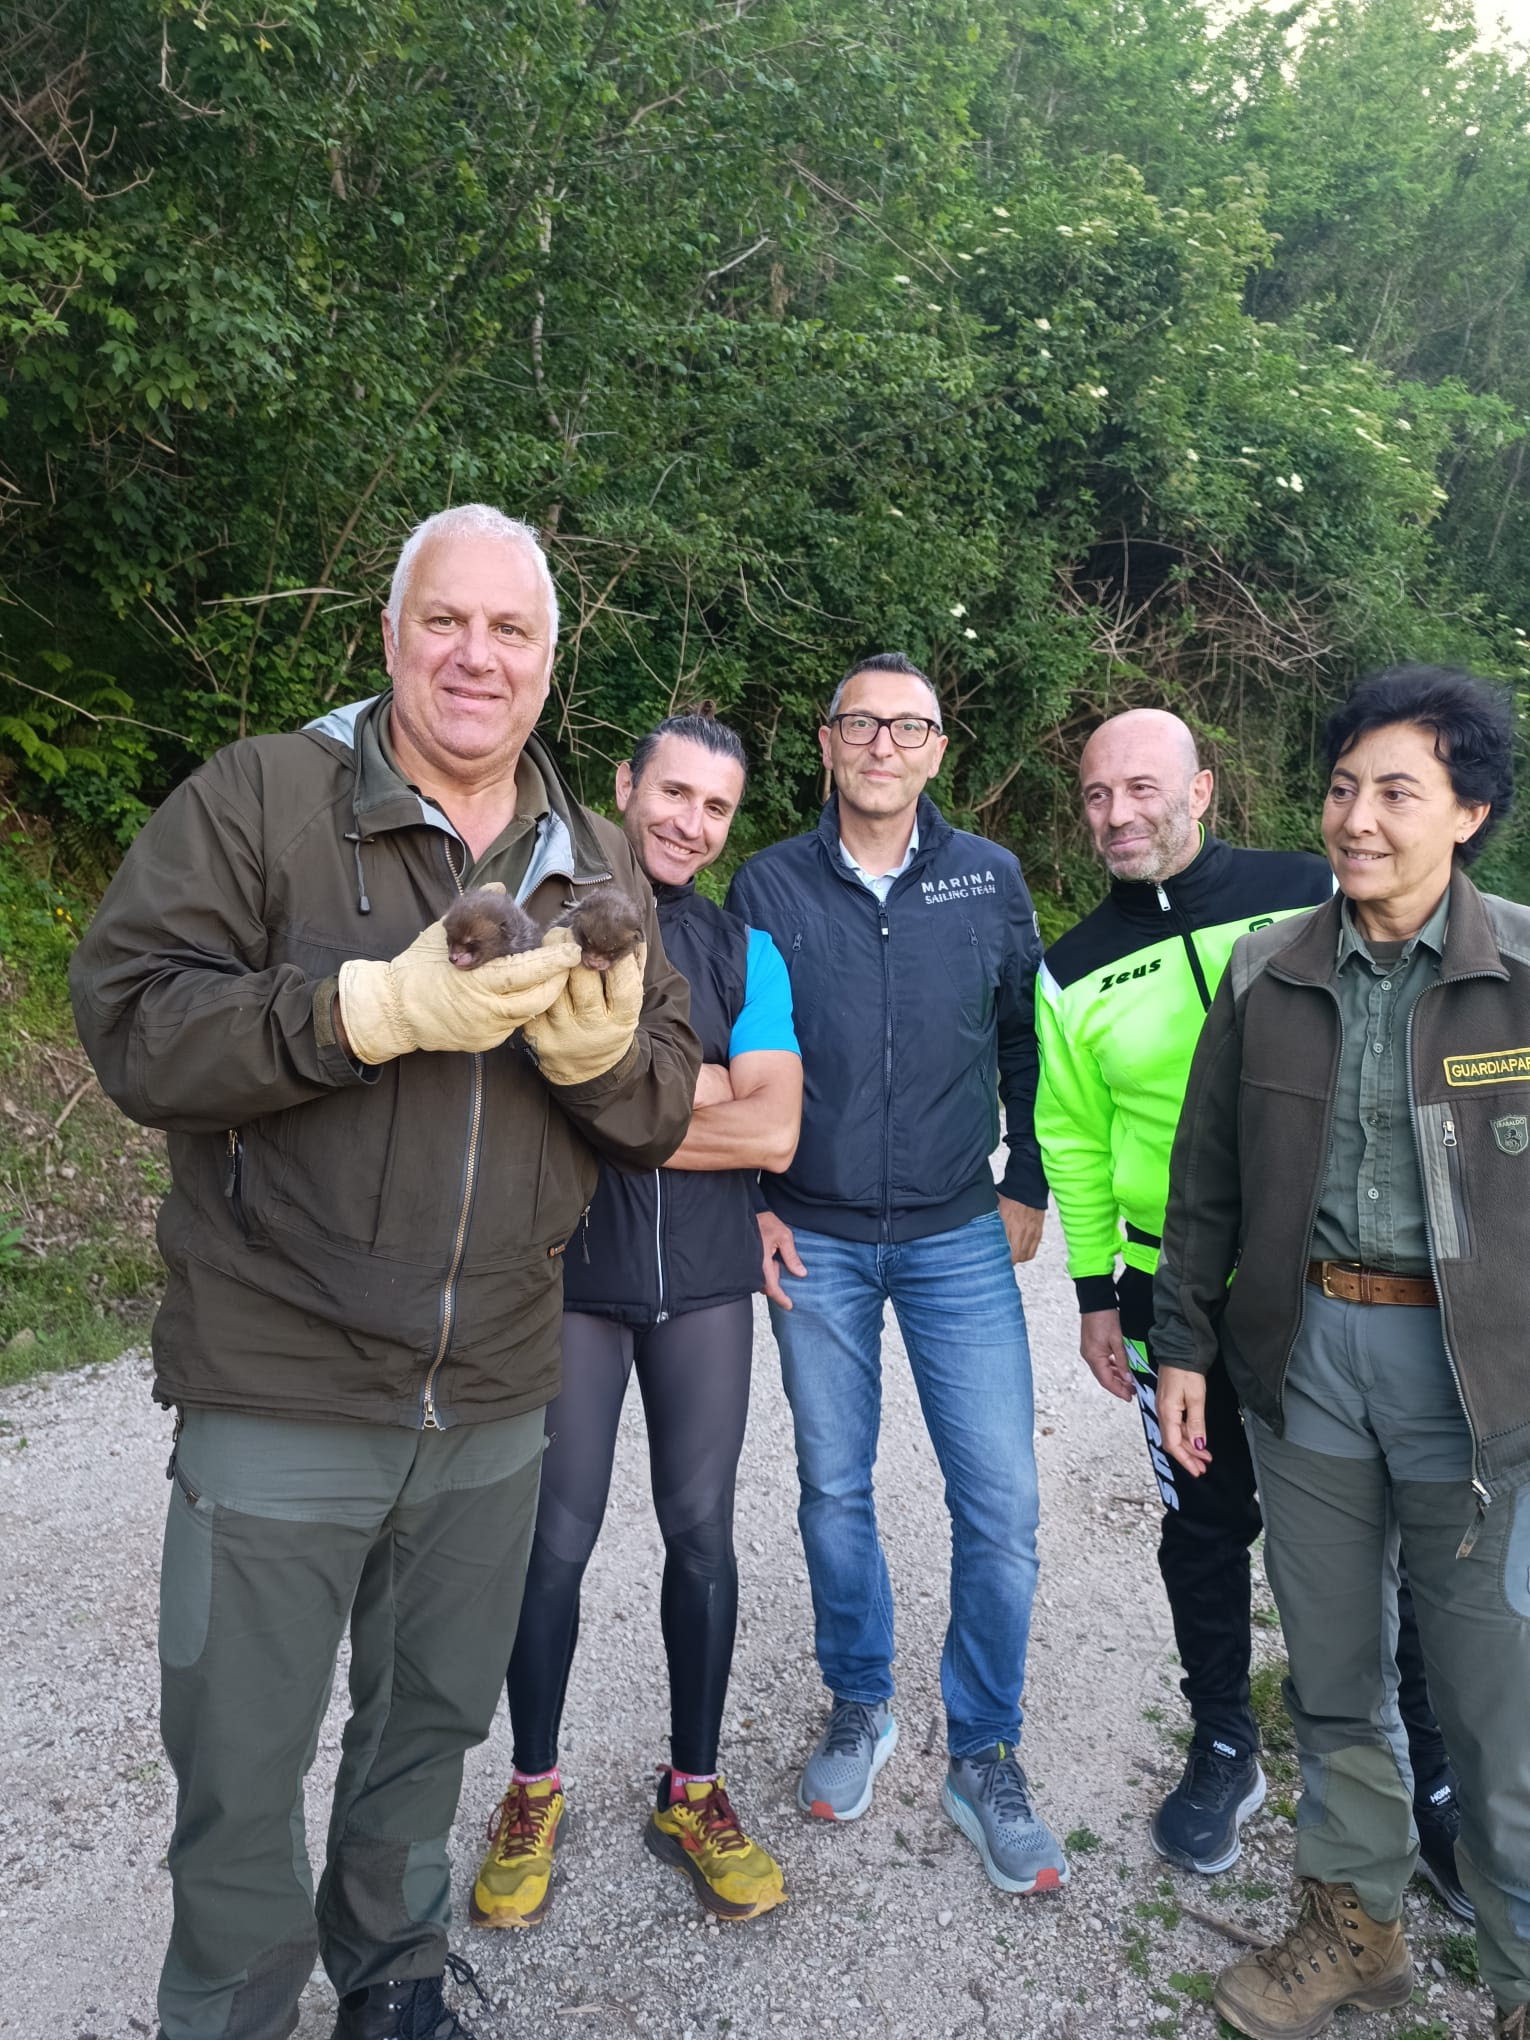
[[968, 989], [816, 965]]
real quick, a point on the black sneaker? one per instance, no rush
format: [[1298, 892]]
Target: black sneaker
[[1197, 1825], [405, 2011], [1438, 1820]]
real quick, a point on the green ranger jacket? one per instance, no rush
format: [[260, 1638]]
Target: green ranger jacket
[[1119, 1004]]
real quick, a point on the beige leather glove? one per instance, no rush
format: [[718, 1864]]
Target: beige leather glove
[[422, 1000], [589, 1026]]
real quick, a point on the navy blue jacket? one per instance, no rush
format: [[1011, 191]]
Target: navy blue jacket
[[656, 1243], [914, 1018]]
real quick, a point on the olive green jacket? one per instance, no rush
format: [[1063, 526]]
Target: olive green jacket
[[378, 1244], [1251, 1151]]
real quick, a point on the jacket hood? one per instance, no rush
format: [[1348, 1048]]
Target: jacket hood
[[1471, 950]]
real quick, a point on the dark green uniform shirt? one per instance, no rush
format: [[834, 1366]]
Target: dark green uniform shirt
[[1372, 1206], [508, 857]]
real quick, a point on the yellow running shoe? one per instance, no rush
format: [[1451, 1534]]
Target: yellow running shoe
[[514, 1887], [700, 1835]]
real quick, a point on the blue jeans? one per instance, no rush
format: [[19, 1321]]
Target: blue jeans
[[960, 1314]]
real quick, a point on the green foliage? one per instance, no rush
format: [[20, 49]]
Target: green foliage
[[1458, 1952], [1195, 1983], [1092, 354], [38, 930]]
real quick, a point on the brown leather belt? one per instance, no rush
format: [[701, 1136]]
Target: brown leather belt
[[1370, 1285]]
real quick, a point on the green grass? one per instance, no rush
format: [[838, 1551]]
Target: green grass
[[1279, 1754], [1081, 1840], [81, 1306]]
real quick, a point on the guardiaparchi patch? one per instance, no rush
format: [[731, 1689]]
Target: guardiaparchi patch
[[1492, 1066], [1512, 1133]]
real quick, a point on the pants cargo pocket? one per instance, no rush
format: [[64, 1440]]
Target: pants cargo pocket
[[1516, 1554], [185, 1580]]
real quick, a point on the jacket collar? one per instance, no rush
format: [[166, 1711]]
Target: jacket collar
[[1470, 949], [1142, 899], [934, 832], [673, 895], [567, 845]]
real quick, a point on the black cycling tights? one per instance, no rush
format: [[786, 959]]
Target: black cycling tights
[[694, 1375]]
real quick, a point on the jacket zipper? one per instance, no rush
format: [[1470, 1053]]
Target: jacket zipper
[[1187, 937], [1458, 1200], [658, 1239], [448, 1308], [887, 1071], [1452, 1149], [233, 1177]]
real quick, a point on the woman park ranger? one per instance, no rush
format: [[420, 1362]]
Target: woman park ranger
[[1355, 1143]]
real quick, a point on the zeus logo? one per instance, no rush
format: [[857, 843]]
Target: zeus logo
[[1121, 977]]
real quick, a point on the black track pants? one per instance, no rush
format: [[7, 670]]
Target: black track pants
[[693, 1372], [1203, 1554]]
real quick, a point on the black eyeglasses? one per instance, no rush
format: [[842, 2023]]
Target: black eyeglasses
[[909, 732]]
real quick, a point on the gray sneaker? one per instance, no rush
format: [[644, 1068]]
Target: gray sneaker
[[836, 1780], [987, 1797]]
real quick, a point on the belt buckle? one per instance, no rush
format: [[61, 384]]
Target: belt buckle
[[1327, 1268]]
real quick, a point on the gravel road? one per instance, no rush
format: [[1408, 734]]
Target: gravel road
[[891, 1927]]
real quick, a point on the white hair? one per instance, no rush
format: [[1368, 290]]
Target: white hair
[[474, 520]]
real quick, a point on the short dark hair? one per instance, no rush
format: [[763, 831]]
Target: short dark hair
[[1473, 727], [696, 726], [884, 662]]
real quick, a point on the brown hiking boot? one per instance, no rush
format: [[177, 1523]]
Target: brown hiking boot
[[1512, 2025], [1335, 1954]]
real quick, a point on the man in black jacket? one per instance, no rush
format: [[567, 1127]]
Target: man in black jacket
[[913, 951], [658, 1280]]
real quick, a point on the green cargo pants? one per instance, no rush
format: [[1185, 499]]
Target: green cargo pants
[[1376, 1449], [279, 1532]]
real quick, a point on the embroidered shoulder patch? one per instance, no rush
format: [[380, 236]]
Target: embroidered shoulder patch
[[1512, 1133], [1495, 1066]]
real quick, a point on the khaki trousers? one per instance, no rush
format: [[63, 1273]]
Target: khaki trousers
[[1376, 1451], [279, 1534]]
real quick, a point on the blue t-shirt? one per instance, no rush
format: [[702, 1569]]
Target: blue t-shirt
[[765, 1018]]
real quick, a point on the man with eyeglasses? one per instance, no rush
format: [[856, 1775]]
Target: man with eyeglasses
[[913, 953]]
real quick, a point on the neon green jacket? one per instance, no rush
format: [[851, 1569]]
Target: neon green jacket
[[1119, 1004]]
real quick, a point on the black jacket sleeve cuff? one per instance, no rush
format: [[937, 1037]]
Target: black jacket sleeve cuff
[[1095, 1292]]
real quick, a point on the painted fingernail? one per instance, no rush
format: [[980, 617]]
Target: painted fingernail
[[1199, 1444]]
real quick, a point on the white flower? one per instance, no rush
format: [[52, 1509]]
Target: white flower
[[1042, 325], [1440, 495], [1045, 353], [1340, 348], [1473, 129], [1001, 212], [961, 257], [1248, 449], [893, 510], [1098, 389], [1281, 482], [1065, 230], [1294, 481], [903, 279], [935, 308], [1402, 424], [969, 632], [958, 609], [1191, 454]]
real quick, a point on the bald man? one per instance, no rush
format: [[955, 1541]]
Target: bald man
[[1120, 1002]]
